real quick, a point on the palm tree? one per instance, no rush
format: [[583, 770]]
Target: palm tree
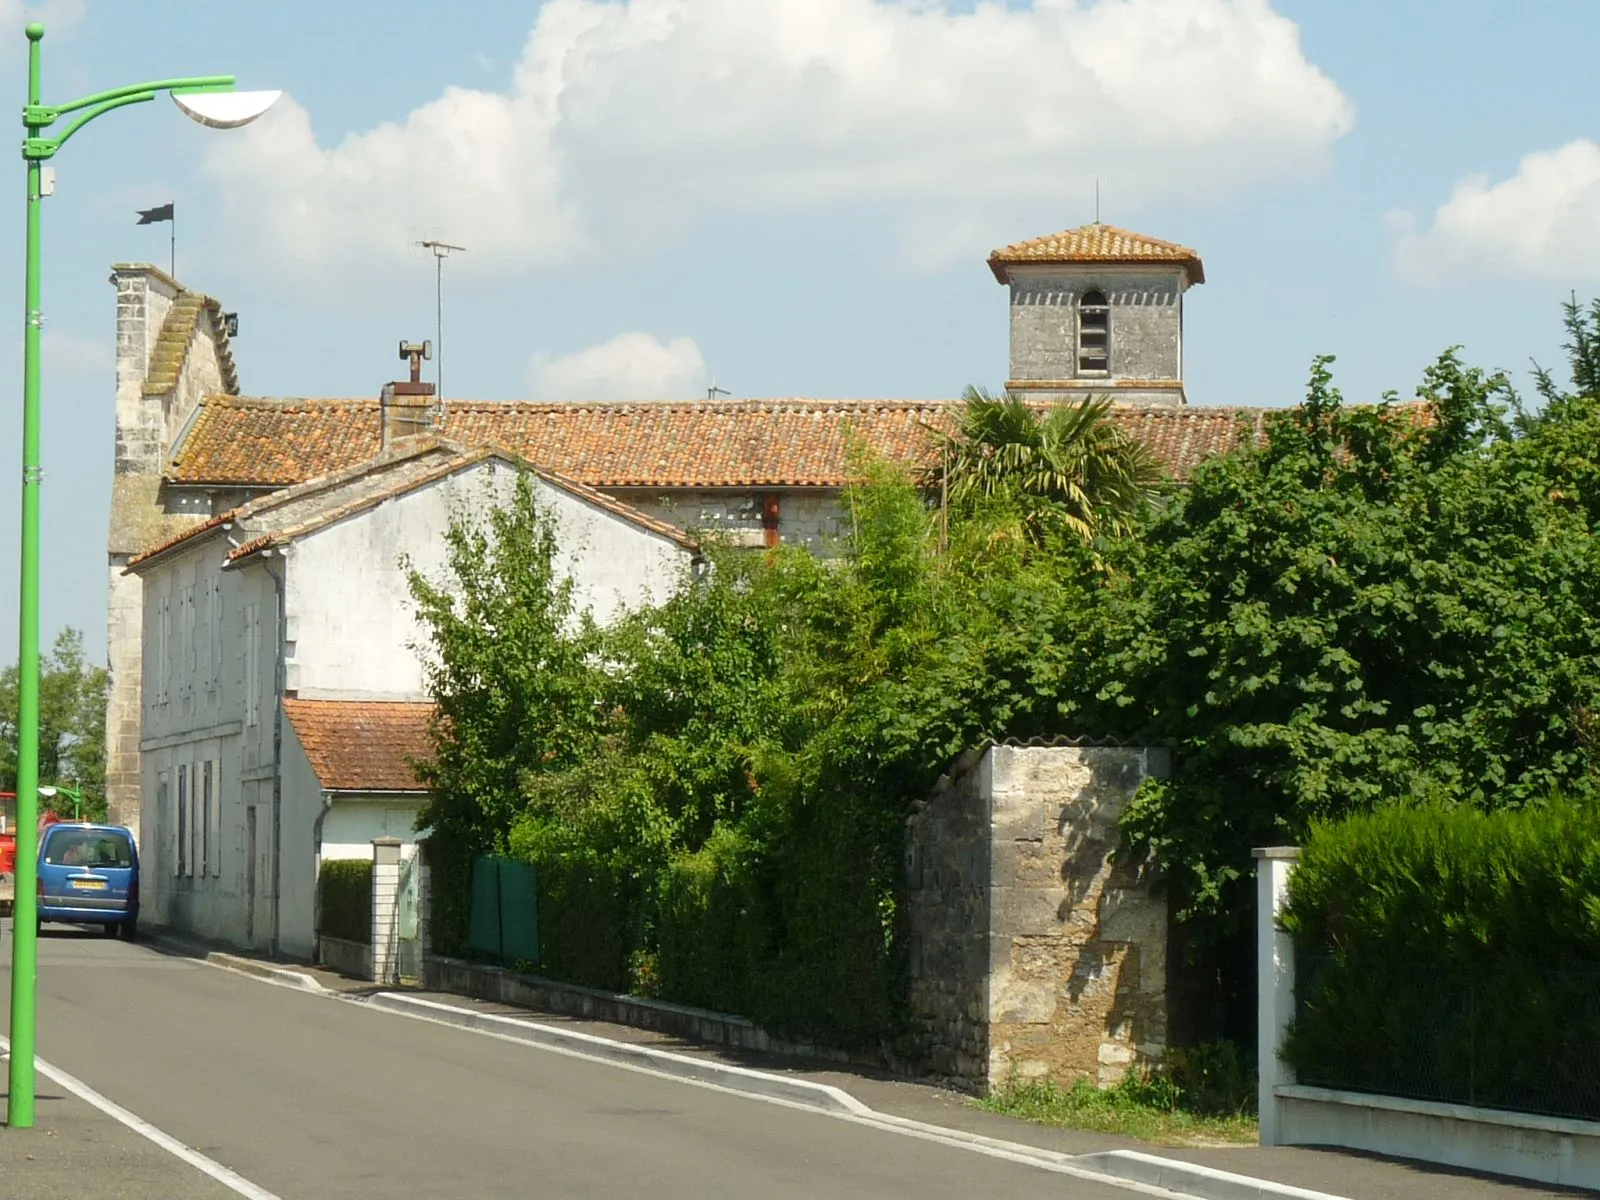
[[1067, 463]]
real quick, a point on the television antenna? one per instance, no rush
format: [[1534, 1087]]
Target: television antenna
[[714, 391], [441, 251]]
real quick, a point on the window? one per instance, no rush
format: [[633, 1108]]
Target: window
[[252, 664], [206, 836], [87, 848], [214, 802], [162, 793], [163, 647], [1094, 334], [181, 823], [214, 626]]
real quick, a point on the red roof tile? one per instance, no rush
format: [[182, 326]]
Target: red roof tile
[[745, 443], [1096, 243], [362, 745]]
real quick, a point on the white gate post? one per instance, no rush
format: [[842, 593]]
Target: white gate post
[[385, 909], [1274, 981]]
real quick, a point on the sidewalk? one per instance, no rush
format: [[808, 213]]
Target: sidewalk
[[1350, 1174], [76, 1150]]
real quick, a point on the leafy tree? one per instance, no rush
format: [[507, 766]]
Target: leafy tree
[[72, 722], [1068, 465], [508, 660], [1380, 602]]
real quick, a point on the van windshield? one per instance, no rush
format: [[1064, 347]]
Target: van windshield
[[88, 848]]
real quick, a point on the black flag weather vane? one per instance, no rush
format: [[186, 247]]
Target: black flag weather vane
[[164, 212]]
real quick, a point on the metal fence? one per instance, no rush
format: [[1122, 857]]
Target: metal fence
[[1522, 1037], [503, 919]]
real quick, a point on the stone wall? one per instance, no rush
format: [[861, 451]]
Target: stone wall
[[1032, 955], [1146, 323]]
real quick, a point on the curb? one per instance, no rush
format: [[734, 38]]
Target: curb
[[663, 1062], [1191, 1179], [244, 966]]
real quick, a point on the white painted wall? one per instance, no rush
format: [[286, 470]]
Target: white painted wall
[[353, 822], [351, 621]]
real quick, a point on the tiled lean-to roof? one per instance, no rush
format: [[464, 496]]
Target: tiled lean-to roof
[[363, 745], [244, 442], [1095, 244]]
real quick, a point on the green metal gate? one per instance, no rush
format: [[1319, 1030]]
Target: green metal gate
[[503, 918]]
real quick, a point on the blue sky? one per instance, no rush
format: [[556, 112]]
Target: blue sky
[[795, 197]]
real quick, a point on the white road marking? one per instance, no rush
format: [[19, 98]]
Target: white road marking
[[231, 1180]]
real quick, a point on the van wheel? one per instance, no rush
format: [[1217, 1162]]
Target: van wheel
[[129, 931], [109, 929]]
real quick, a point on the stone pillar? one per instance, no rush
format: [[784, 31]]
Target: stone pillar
[[424, 904], [1033, 955], [1274, 980], [385, 909]]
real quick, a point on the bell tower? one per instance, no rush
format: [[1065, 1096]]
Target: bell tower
[[1097, 311]]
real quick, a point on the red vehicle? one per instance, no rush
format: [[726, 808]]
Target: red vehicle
[[8, 846]]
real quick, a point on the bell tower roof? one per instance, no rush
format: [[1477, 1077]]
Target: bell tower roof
[[1096, 243]]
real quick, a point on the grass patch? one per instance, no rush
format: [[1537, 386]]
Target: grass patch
[[1203, 1097]]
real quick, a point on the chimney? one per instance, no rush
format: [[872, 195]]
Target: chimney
[[405, 409]]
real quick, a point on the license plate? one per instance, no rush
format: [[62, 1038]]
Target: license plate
[[93, 885]]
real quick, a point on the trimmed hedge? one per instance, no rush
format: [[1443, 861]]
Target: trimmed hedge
[[1452, 954], [344, 899]]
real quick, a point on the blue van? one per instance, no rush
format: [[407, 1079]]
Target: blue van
[[89, 875]]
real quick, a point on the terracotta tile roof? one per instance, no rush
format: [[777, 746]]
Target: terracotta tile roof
[[1095, 244], [172, 346], [363, 745], [747, 443]]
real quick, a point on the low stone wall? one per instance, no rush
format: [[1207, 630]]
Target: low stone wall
[[1033, 956], [504, 986], [346, 957]]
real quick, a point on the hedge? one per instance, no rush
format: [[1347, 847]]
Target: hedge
[[344, 899], [1451, 954]]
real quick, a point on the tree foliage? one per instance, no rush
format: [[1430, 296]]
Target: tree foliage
[[1380, 601], [1377, 601], [72, 722], [1068, 466]]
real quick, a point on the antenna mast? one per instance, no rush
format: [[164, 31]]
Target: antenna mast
[[441, 251]]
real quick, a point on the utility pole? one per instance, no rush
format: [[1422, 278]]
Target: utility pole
[[441, 251]]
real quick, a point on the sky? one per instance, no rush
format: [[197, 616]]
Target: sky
[[792, 197]]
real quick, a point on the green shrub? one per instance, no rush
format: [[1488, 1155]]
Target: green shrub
[[344, 899], [1452, 954], [713, 926]]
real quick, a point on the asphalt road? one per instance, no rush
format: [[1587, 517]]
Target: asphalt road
[[311, 1097]]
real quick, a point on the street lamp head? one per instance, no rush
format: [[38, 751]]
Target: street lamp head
[[48, 792], [224, 110], [35, 32]]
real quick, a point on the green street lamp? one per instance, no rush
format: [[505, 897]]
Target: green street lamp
[[211, 100], [50, 790]]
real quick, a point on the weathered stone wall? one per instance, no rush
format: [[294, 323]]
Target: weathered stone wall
[[1146, 346], [1032, 955]]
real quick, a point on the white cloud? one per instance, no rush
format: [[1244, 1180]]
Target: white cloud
[[625, 120], [1541, 223], [631, 366], [72, 354]]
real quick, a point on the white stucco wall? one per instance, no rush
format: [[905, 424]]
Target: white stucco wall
[[351, 621], [354, 821]]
